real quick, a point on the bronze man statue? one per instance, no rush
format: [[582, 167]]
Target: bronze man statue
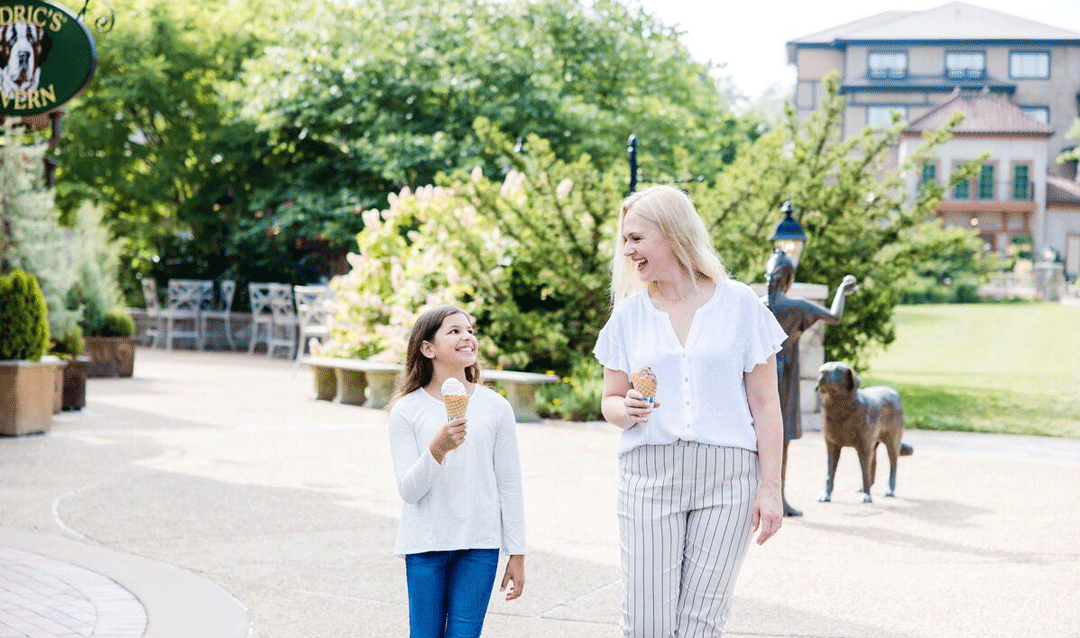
[[795, 316]]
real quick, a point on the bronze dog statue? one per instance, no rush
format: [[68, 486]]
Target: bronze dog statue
[[860, 419]]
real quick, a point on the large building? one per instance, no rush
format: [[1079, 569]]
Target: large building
[[1017, 83]]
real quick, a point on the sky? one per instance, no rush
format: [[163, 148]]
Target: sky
[[749, 37]]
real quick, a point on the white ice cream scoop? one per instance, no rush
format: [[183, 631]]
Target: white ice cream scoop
[[452, 386]]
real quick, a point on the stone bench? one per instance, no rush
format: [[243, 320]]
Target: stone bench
[[372, 384]]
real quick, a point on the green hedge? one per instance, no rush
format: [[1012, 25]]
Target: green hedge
[[24, 326]]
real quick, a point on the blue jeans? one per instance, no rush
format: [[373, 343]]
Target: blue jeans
[[449, 592]]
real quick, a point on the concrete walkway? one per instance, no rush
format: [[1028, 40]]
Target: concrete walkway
[[211, 497]]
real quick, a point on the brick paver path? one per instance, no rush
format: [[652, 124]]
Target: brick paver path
[[45, 598]]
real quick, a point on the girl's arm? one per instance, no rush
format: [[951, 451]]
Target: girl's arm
[[764, 401], [508, 481], [414, 466], [622, 406], [511, 501]]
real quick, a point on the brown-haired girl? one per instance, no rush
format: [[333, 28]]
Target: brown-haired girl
[[462, 494]]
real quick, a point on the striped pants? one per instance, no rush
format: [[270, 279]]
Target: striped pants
[[684, 525]]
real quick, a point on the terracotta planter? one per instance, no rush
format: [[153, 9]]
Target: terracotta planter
[[325, 383], [111, 356], [75, 383], [27, 393]]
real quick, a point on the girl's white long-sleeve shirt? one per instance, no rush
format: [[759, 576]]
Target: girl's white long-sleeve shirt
[[473, 500]]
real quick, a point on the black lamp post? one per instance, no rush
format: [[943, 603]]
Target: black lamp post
[[789, 236]]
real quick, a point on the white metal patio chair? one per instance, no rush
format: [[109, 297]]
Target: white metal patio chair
[[184, 301], [261, 317], [312, 314], [220, 311], [283, 328], [153, 312]]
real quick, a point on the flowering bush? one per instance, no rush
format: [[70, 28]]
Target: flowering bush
[[527, 256]]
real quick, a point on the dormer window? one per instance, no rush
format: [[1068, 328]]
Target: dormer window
[[887, 65], [965, 65]]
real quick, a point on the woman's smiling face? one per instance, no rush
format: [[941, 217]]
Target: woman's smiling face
[[647, 248]]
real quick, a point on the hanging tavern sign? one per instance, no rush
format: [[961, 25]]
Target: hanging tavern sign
[[47, 56]]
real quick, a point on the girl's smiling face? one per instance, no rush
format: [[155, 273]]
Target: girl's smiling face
[[454, 343], [646, 248]]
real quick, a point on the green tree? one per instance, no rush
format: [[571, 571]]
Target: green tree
[[150, 137], [383, 95], [30, 233], [854, 205]]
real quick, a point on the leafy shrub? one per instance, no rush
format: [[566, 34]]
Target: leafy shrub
[[95, 257], [527, 256], [24, 325], [70, 344], [577, 398], [118, 324]]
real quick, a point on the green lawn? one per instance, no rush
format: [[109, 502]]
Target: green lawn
[[1011, 368]]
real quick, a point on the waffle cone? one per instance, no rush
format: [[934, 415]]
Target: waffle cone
[[644, 385], [456, 405]]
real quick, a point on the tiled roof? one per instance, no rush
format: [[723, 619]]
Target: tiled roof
[[983, 113], [1062, 191], [855, 26], [949, 22]]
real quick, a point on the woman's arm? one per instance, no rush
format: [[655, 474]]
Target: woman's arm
[[764, 401], [414, 465], [623, 406]]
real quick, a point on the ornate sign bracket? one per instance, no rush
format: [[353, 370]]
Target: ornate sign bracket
[[105, 22]]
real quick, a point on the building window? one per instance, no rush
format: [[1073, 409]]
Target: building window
[[887, 65], [1034, 65], [986, 181], [965, 65], [929, 174], [1041, 113], [1021, 183], [962, 190], [882, 116]]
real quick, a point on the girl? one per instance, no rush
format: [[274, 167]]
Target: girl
[[462, 493], [700, 466]]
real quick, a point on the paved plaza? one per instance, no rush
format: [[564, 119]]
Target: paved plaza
[[211, 497]]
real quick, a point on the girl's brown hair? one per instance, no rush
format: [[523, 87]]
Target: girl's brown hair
[[418, 368]]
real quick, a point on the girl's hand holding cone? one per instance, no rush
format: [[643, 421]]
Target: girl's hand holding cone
[[449, 438]]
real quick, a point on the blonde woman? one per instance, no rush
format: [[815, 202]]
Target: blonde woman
[[700, 466]]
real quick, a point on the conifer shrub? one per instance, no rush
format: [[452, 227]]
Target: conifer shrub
[[70, 344], [24, 325], [118, 324]]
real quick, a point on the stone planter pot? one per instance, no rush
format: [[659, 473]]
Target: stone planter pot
[[58, 382], [111, 356], [325, 383], [352, 384], [27, 393], [75, 383]]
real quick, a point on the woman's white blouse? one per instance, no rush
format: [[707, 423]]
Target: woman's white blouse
[[473, 500], [700, 387]]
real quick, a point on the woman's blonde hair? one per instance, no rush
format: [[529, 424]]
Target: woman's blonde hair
[[672, 212]]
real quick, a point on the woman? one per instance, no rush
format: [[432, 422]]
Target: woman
[[700, 466], [462, 493]]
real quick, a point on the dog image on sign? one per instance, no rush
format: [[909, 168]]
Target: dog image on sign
[[23, 49]]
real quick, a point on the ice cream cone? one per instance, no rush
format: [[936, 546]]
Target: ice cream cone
[[456, 404], [644, 381]]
